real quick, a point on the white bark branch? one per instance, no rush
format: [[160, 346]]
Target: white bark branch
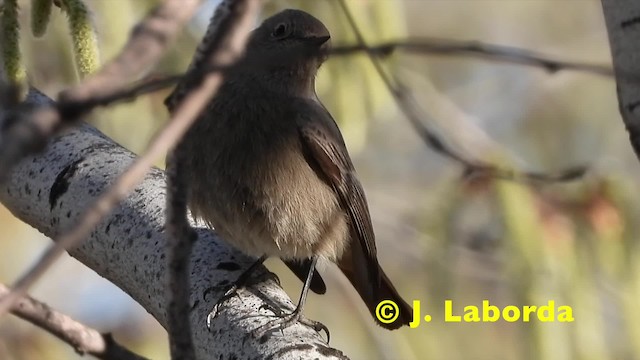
[[51, 190], [623, 25]]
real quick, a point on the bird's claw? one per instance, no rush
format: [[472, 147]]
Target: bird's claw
[[286, 320], [229, 293]]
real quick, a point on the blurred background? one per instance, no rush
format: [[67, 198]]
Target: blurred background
[[440, 235]]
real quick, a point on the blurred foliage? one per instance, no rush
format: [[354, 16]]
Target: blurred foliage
[[467, 240], [11, 58], [83, 38], [40, 15]]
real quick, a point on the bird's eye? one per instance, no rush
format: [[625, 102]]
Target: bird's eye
[[280, 31]]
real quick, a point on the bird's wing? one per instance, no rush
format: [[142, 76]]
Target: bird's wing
[[325, 150]]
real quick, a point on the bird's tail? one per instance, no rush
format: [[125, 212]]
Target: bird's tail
[[374, 291]]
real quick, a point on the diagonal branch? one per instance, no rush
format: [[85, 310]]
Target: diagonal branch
[[84, 339]]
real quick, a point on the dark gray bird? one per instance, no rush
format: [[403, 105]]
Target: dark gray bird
[[268, 168]]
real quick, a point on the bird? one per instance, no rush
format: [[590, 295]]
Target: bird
[[267, 168]]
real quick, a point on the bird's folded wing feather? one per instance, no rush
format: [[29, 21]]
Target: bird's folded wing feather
[[323, 143]]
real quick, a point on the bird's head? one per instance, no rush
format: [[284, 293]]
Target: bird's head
[[290, 39]]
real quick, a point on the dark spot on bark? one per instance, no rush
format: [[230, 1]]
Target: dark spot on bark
[[229, 266], [148, 234], [68, 214], [327, 351], [61, 183], [263, 339], [630, 22], [27, 189], [278, 354], [101, 147]]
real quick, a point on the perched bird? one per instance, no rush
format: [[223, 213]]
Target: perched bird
[[267, 167]]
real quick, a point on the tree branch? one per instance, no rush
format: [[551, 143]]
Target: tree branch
[[84, 339], [622, 18], [428, 46]]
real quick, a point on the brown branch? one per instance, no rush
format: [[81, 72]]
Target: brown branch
[[222, 46], [404, 99], [181, 239], [82, 338], [424, 46], [416, 46]]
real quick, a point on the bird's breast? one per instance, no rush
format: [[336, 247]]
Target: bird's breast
[[269, 200]]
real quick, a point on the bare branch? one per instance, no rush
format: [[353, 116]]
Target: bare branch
[[427, 46], [623, 23], [84, 339], [419, 46], [181, 239], [404, 99]]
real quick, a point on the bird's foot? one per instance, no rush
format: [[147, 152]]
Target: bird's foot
[[284, 321], [228, 294], [231, 290]]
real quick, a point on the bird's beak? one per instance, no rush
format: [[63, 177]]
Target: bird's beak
[[318, 40]]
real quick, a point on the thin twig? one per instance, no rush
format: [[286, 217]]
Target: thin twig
[[422, 46], [515, 55], [404, 99], [82, 338], [222, 45]]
